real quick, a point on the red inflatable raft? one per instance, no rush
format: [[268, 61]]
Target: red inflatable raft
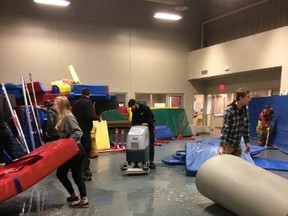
[[30, 169]]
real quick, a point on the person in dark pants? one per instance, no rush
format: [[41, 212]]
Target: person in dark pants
[[68, 128], [142, 115], [5, 141], [83, 111]]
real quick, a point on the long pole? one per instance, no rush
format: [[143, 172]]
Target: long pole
[[27, 114], [34, 115], [40, 131], [268, 135], [16, 120]]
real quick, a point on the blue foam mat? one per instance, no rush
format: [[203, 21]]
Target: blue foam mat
[[197, 152], [174, 161], [271, 164]]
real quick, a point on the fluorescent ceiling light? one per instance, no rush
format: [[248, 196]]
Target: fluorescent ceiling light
[[63, 3], [167, 16]]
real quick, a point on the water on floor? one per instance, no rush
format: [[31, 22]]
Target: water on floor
[[165, 191]]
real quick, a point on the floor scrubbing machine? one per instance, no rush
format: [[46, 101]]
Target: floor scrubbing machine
[[137, 151]]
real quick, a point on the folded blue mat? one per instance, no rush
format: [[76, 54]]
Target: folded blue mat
[[174, 161]]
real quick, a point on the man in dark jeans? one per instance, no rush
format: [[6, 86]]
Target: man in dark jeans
[[83, 111], [142, 115]]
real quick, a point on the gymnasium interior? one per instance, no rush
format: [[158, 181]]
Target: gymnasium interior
[[186, 70]]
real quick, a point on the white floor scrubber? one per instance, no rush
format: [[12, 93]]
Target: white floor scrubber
[[137, 151]]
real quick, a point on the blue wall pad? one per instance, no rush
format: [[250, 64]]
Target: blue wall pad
[[271, 164], [163, 132], [278, 136], [197, 152]]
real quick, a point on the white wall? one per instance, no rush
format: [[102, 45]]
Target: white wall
[[127, 59], [264, 50]]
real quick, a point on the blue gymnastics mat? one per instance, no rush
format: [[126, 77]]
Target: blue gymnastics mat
[[271, 164], [200, 151], [197, 152]]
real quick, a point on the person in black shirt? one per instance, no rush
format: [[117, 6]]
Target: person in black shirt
[[142, 115], [82, 109]]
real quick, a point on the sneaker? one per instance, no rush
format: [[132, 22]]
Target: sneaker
[[81, 204], [152, 165], [87, 178], [87, 173], [73, 200]]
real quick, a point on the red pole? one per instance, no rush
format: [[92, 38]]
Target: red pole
[[180, 132], [122, 137], [116, 137]]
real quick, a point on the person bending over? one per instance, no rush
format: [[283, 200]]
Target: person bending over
[[142, 115]]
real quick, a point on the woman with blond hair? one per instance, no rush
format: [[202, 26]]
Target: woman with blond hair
[[68, 128]]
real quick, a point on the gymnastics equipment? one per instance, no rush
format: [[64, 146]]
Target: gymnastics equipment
[[74, 74], [16, 120], [241, 187], [38, 124], [23, 84]]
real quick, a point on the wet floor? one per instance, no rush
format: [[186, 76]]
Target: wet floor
[[165, 191]]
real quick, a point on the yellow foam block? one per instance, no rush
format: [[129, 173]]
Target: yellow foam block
[[94, 149], [102, 137], [63, 87]]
